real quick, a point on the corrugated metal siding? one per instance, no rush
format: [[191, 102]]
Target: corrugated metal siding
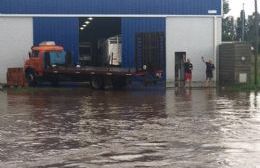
[[131, 26], [64, 31], [171, 7]]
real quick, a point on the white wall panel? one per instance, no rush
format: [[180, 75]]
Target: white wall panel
[[195, 36], [16, 38]]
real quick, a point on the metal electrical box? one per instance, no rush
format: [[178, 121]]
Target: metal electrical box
[[235, 65]]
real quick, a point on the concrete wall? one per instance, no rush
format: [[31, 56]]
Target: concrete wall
[[197, 36], [16, 38]]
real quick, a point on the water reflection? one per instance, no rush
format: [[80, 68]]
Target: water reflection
[[86, 128]]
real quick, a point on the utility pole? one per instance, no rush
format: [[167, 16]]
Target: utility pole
[[243, 23], [256, 43]]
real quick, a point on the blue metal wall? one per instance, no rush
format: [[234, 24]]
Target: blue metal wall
[[131, 26], [171, 7], [64, 31]]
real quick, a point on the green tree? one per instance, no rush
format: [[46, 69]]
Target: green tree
[[241, 27], [228, 26], [250, 31], [250, 34], [228, 29], [226, 8]]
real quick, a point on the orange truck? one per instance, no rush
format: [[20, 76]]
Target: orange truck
[[50, 62]]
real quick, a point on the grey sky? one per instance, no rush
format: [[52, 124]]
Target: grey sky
[[236, 6]]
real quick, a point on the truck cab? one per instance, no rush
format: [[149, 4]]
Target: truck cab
[[42, 57]]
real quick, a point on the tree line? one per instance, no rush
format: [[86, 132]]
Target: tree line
[[240, 29]]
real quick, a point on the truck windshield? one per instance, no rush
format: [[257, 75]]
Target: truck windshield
[[35, 53]]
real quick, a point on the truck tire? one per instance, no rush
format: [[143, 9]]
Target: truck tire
[[119, 82], [97, 82], [30, 76]]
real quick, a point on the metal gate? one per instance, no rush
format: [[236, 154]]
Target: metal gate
[[150, 50]]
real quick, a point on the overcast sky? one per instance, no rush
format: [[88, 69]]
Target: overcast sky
[[237, 5]]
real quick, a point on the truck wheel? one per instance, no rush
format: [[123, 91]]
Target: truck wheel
[[30, 76], [119, 82], [97, 82]]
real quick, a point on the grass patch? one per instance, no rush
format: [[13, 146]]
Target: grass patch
[[241, 87]]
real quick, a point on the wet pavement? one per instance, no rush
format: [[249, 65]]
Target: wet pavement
[[124, 129]]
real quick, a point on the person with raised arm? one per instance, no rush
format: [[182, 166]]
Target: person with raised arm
[[210, 67]]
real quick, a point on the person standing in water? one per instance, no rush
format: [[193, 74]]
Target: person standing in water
[[188, 67], [210, 67]]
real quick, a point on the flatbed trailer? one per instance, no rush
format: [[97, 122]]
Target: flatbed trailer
[[98, 76], [91, 70]]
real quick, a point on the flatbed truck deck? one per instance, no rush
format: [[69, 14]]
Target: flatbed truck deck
[[92, 70]]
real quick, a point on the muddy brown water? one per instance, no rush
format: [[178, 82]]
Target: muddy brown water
[[75, 128]]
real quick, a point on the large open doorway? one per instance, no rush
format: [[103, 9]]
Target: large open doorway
[[100, 41]]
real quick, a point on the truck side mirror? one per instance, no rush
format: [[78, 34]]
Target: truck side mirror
[[30, 54]]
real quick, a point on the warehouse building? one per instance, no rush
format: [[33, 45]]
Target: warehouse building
[[154, 32]]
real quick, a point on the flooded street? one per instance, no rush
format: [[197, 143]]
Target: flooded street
[[76, 128]]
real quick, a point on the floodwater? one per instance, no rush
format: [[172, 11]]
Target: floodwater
[[75, 128]]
